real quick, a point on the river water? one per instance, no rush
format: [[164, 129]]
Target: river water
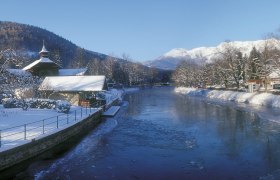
[[161, 135]]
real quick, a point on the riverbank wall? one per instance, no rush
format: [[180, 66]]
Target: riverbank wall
[[15, 159]]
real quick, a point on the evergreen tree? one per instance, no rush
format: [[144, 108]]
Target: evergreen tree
[[254, 68]]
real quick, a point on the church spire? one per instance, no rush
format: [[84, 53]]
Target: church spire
[[44, 52]]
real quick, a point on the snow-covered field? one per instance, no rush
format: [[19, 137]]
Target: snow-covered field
[[18, 126], [262, 99]]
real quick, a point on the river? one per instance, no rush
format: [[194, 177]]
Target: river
[[158, 134]]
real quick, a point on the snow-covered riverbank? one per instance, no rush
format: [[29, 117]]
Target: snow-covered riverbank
[[18, 126], [118, 93], [262, 99]]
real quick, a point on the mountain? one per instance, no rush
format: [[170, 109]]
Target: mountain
[[201, 55], [27, 40]]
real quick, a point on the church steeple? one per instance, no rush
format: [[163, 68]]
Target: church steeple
[[44, 52]]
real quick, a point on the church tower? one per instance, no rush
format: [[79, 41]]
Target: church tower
[[44, 66], [44, 52]]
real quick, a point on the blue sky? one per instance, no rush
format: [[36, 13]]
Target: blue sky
[[146, 29]]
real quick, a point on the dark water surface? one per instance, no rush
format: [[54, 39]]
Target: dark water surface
[[161, 135]]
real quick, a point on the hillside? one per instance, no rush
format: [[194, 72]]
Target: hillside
[[28, 41], [200, 55]]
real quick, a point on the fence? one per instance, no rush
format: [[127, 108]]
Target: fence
[[19, 134]]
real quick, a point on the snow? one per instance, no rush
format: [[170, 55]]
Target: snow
[[72, 72], [202, 55], [19, 72], [275, 74], [210, 52], [260, 99], [113, 94], [13, 120], [111, 111], [41, 60], [73, 83]]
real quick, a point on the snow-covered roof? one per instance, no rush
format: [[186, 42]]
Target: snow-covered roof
[[41, 60], [19, 72], [275, 74], [73, 83], [72, 72]]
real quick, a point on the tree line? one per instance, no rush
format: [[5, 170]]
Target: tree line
[[230, 68], [122, 70]]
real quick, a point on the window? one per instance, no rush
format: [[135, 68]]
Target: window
[[276, 86]]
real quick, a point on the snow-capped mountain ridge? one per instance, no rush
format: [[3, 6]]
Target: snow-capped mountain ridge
[[199, 55]]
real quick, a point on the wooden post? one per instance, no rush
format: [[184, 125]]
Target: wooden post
[[67, 118], [57, 122], [24, 131], [43, 126]]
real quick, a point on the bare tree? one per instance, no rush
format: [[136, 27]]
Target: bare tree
[[234, 63], [15, 81], [266, 62], [188, 74]]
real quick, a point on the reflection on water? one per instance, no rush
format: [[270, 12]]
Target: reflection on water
[[161, 135]]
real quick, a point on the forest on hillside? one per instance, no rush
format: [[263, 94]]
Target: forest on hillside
[[20, 44]]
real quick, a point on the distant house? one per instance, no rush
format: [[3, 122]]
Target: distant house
[[273, 82], [274, 78], [73, 88], [254, 85]]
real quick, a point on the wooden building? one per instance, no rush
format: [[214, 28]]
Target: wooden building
[[44, 66], [75, 89]]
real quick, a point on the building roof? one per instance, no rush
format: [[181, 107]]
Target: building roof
[[73, 83], [41, 60], [19, 72], [72, 72]]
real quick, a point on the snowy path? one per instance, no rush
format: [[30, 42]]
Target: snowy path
[[18, 126]]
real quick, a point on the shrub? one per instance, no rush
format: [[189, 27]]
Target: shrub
[[41, 103], [10, 103], [62, 106], [58, 105]]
